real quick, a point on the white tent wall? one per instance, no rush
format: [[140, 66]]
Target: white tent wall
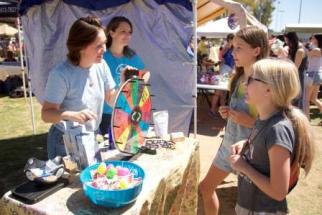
[[216, 29], [161, 35]]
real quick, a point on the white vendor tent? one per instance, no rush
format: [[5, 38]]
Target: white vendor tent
[[216, 29]]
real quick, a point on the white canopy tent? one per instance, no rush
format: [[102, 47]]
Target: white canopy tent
[[216, 29]]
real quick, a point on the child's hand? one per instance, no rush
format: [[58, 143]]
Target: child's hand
[[236, 148], [224, 111], [238, 163], [241, 118]]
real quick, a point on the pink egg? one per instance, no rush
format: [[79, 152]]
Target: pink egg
[[123, 171]]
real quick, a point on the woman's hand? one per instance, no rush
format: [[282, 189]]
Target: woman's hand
[[122, 75], [241, 118], [51, 112], [236, 148], [224, 111], [80, 116], [146, 75]]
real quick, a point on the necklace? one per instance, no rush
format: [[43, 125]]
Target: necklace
[[248, 149]]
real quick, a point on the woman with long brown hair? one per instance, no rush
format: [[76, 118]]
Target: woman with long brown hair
[[119, 56], [296, 53]]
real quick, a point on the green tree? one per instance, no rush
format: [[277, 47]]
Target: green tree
[[261, 9]]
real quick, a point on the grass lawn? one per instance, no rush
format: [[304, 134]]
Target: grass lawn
[[17, 144]]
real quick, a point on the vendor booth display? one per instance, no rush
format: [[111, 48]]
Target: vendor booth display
[[162, 33], [163, 30], [170, 186]]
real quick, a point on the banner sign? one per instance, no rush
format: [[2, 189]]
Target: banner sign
[[9, 10]]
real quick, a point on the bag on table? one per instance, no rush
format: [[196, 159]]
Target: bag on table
[[80, 144]]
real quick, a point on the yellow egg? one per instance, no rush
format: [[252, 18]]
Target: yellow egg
[[101, 169], [123, 184]]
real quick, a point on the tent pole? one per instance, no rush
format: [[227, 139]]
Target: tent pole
[[194, 10], [21, 60], [34, 132]]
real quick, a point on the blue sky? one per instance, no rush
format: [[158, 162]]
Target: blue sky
[[287, 12]]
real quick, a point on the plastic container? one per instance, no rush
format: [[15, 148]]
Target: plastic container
[[112, 198]]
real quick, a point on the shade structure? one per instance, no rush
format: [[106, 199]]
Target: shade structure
[[208, 10]]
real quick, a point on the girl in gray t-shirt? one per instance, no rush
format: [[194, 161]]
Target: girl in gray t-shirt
[[281, 136]]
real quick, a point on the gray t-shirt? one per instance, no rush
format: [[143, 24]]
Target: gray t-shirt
[[76, 89], [276, 130]]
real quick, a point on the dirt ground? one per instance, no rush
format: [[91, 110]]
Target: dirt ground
[[306, 198]]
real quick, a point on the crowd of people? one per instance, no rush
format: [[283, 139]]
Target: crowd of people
[[305, 55], [267, 136]]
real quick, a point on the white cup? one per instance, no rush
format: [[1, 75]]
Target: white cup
[[160, 120]]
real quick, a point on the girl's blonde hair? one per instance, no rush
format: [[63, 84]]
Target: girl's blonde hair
[[255, 37], [282, 75]]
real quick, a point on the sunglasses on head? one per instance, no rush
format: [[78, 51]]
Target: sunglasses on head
[[251, 79]]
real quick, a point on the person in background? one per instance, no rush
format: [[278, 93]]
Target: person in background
[[250, 45], [10, 57], [227, 56], [280, 143], [205, 64], [278, 48], [297, 54], [119, 56], [203, 47], [226, 68], [314, 73], [77, 87]]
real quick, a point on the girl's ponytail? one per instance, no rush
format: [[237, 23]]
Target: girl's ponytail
[[304, 144]]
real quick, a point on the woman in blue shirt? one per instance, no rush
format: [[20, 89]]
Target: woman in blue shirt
[[77, 87], [119, 56]]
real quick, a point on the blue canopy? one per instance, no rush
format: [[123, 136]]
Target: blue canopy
[[97, 4]]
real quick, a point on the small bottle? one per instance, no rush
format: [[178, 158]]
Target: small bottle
[[110, 140]]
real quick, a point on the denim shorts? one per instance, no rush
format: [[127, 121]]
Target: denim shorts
[[314, 78], [221, 160], [55, 143]]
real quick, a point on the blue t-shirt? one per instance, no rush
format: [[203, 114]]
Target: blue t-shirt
[[75, 89], [229, 58], [116, 65]]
